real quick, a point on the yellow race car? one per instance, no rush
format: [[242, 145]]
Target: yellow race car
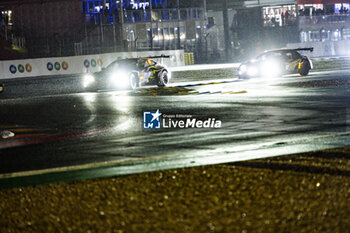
[[276, 63], [129, 73]]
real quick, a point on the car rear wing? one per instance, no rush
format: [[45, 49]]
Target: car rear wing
[[161, 56], [305, 49]]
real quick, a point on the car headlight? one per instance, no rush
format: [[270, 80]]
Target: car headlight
[[271, 68], [119, 79], [88, 80], [243, 68], [252, 71]]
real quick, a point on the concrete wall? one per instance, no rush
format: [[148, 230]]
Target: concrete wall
[[79, 64]]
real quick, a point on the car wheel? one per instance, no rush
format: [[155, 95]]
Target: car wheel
[[133, 81], [163, 78], [305, 68]]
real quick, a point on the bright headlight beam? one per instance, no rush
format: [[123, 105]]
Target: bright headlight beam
[[270, 68], [203, 67], [88, 80], [120, 79], [243, 68], [252, 71]]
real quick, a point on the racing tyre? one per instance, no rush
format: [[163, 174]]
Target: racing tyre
[[163, 78], [133, 81], [304, 69]]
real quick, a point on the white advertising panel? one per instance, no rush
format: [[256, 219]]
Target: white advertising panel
[[79, 64]]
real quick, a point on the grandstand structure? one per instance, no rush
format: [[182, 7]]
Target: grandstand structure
[[75, 27]]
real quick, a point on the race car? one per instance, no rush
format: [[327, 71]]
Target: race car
[[276, 63], [129, 73]]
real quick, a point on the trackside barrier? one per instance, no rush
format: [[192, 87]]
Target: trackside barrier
[[79, 64]]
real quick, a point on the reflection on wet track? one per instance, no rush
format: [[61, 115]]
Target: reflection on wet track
[[259, 118]]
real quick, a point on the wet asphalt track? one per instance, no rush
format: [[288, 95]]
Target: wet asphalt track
[[102, 132]]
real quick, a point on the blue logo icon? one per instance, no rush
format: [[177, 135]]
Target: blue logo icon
[[13, 69], [86, 63], [49, 66], [151, 120]]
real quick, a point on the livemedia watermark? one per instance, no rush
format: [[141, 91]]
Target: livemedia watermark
[[157, 120]]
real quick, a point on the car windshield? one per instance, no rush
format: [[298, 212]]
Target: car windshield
[[125, 63], [269, 55], [283, 55]]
